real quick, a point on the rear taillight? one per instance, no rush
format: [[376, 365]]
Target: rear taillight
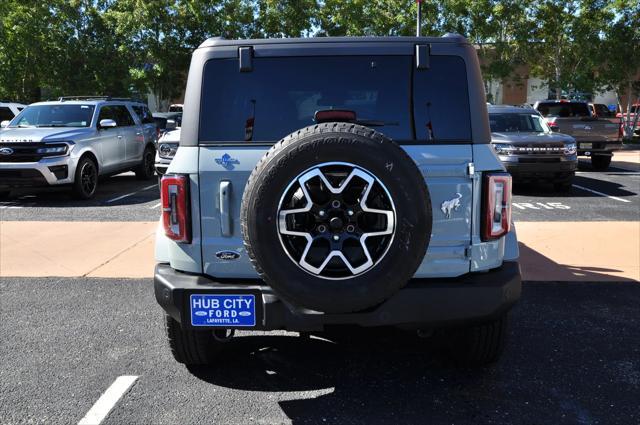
[[496, 206], [175, 208]]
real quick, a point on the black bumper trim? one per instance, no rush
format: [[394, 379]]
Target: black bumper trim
[[422, 303], [22, 178]]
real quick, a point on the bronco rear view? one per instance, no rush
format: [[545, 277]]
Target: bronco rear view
[[336, 183]]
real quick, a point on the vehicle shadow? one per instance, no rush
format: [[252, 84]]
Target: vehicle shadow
[[109, 189], [394, 377], [546, 190], [538, 267]]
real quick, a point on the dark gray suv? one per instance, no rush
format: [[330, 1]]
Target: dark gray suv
[[529, 149]]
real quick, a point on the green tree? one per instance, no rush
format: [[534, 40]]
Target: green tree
[[565, 39], [620, 56]]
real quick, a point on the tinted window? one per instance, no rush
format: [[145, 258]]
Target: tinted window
[[175, 108], [507, 123], [120, 114], [441, 100], [5, 114], [563, 109], [55, 116], [281, 95], [603, 110], [144, 114]]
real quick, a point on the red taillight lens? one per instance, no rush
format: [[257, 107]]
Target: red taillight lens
[[175, 208], [496, 206]]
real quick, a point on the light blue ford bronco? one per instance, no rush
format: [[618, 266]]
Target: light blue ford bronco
[[336, 182]]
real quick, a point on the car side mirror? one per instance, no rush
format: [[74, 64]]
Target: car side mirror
[[4, 123], [107, 124], [171, 125]]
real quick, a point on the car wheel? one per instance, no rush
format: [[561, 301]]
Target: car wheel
[[330, 212], [565, 184], [85, 182], [194, 347], [146, 169], [600, 162], [476, 345]]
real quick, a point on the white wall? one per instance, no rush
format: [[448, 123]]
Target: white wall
[[536, 90]]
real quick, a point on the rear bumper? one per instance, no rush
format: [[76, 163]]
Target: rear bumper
[[598, 148], [422, 303]]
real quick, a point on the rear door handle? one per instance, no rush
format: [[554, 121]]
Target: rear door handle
[[225, 213]]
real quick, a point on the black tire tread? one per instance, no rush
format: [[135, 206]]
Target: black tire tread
[[190, 347], [479, 344]]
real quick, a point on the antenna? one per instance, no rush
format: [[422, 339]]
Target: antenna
[[419, 19]]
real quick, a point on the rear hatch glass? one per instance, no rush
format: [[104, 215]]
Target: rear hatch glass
[[563, 109], [283, 94]]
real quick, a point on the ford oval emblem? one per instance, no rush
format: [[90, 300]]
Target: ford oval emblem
[[6, 151], [200, 313], [227, 255]]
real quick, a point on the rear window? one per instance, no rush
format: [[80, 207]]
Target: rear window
[[5, 114], [281, 95], [563, 109]]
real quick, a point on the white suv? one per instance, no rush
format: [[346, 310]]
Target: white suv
[[75, 140]]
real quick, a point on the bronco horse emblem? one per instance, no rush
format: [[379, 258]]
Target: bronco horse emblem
[[448, 207]]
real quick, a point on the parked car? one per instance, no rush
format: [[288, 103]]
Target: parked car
[[167, 148], [302, 202], [8, 110], [176, 107], [529, 149], [596, 138], [73, 141]]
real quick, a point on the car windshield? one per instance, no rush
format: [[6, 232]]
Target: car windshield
[[55, 116], [564, 109], [508, 123]]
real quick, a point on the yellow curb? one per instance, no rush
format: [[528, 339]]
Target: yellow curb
[[34, 249], [549, 251]]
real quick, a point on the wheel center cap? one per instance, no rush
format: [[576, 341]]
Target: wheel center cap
[[335, 223]]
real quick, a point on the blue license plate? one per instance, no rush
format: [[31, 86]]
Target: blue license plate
[[223, 310]]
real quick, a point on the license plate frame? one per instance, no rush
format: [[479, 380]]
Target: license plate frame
[[223, 310]]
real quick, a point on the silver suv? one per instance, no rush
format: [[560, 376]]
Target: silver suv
[[75, 140]]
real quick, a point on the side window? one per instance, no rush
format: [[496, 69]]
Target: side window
[[108, 113], [441, 101], [5, 114], [124, 116], [144, 114]]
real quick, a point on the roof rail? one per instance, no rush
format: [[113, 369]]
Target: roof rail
[[107, 98]]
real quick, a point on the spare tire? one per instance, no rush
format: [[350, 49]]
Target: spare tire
[[336, 217]]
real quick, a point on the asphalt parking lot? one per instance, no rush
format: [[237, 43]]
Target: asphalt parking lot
[[572, 357]]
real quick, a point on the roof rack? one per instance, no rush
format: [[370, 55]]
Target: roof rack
[[107, 98]]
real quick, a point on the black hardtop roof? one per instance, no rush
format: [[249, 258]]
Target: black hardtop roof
[[447, 38]]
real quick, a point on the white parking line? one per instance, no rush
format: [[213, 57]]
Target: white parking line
[[129, 194], [155, 206], [600, 193], [107, 400]]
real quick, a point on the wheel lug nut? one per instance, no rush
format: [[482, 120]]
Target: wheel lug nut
[[322, 228], [335, 204], [336, 238], [351, 228]]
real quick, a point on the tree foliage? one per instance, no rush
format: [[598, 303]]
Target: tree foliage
[[135, 47]]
